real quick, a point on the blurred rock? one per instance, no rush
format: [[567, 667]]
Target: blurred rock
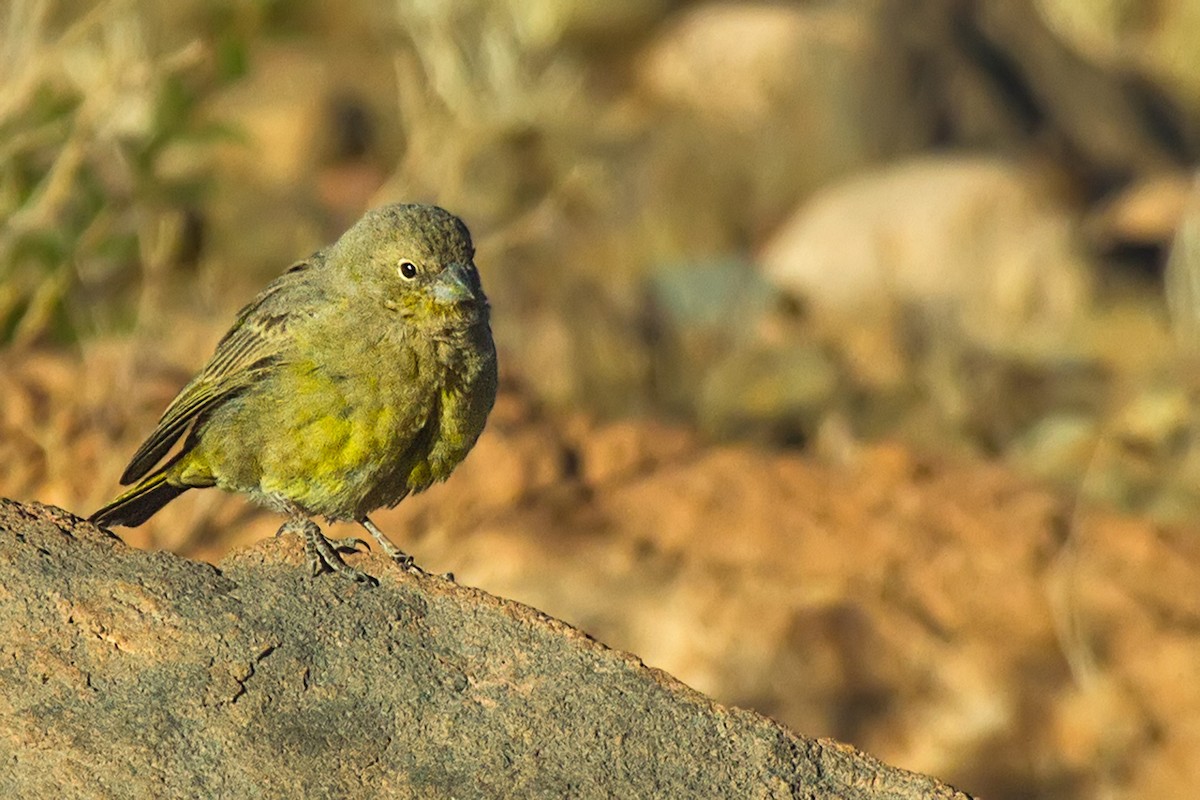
[[626, 450], [1004, 392], [1149, 454], [140, 674], [737, 61], [1058, 448], [780, 393], [875, 357], [1175, 492], [1155, 421], [778, 98], [698, 313], [729, 355], [974, 241], [1147, 212], [1143, 458]]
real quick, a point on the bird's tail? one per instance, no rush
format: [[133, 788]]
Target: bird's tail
[[139, 503]]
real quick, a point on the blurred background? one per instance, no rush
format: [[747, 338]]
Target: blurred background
[[838, 374]]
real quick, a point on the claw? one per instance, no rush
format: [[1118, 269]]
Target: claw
[[322, 553], [349, 544]]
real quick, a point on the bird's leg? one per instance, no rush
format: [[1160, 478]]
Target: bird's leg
[[395, 553], [322, 553]]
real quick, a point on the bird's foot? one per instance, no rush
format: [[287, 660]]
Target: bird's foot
[[348, 544], [323, 556], [394, 553], [322, 553], [403, 559]]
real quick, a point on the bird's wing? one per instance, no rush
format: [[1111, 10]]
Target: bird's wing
[[256, 344]]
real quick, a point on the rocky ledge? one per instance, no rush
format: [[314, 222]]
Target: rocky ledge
[[126, 673]]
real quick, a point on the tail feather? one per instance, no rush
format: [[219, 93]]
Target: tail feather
[[139, 503]]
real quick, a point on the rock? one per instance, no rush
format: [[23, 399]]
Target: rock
[[997, 395], [1145, 213], [1059, 448], [781, 391], [1148, 460], [777, 99], [730, 356], [136, 674], [1156, 421], [698, 313], [971, 240]]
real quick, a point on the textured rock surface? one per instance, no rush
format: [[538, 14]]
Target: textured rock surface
[[132, 674]]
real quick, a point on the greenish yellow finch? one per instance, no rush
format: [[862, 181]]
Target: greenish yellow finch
[[363, 374]]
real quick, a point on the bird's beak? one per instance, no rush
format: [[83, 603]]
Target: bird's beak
[[453, 286]]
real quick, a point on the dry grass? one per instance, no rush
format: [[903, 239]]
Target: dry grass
[[93, 116]]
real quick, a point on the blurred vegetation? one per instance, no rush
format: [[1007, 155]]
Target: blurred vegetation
[[96, 103]]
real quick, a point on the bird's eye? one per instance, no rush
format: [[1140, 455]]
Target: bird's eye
[[407, 270]]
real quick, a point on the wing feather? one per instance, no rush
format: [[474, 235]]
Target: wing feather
[[256, 344]]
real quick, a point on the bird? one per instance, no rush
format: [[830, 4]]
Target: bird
[[363, 374]]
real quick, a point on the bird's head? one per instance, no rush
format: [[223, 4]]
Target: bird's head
[[418, 261]]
